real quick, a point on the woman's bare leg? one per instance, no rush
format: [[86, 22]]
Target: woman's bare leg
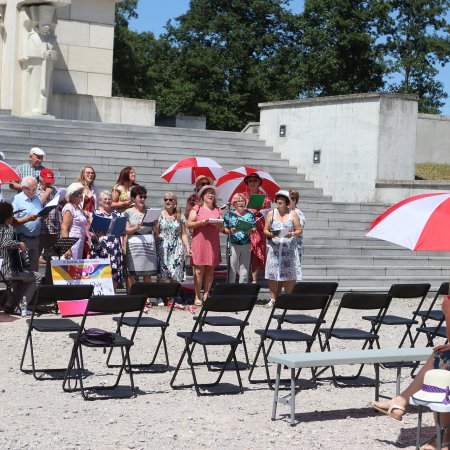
[[199, 272], [254, 267], [208, 278]]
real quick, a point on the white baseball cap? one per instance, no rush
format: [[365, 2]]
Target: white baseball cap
[[37, 151]]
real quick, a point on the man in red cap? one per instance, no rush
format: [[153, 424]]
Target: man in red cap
[[51, 226]]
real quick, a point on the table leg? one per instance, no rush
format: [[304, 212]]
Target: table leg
[[275, 393], [419, 427], [399, 374], [377, 381], [292, 399]]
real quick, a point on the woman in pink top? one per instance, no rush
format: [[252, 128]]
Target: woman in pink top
[[205, 245]]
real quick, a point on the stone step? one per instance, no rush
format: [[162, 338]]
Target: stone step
[[375, 208], [366, 250], [387, 261], [400, 271]]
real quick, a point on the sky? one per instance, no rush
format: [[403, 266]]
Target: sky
[[154, 14]]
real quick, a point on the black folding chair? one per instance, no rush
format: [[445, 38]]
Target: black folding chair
[[220, 304], [286, 303], [418, 291], [103, 304], [45, 300], [229, 289], [356, 301], [150, 290], [309, 287], [435, 315]]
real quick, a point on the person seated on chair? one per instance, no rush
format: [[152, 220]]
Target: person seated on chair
[[23, 283], [440, 359]]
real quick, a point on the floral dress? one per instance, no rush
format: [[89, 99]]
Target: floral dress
[[109, 247], [283, 263], [258, 240], [171, 250]]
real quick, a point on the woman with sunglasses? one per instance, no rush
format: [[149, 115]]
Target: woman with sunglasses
[[74, 220], [192, 200], [141, 257], [172, 243], [205, 241], [258, 240]]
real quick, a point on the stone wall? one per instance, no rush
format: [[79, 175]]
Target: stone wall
[[433, 139], [363, 138]]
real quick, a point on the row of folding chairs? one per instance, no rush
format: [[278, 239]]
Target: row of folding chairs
[[219, 310]]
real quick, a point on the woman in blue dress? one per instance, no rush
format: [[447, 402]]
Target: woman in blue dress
[[108, 246], [282, 229], [172, 242]]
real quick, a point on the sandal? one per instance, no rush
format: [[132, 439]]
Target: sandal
[[432, 445], [198, 302], [389, 411]]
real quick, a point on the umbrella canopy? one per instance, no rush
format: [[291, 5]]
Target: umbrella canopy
[[188, 169], [420, 222], [7, 173], [233, 182]]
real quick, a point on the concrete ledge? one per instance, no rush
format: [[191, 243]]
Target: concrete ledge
[[395, 191], [103, 109]]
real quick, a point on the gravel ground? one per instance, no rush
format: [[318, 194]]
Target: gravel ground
[[39, 415]]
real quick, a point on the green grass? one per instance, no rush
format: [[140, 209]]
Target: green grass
[[427, 171]]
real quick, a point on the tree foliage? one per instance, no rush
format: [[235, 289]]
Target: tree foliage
[[223, 57]]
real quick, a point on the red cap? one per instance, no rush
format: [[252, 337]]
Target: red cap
[[47, 175]]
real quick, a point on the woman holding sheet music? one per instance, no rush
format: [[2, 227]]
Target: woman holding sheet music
[[204, 220], [258, 241], [172, 242], [74, 220], [240, 224], [141, 257], [108, 246]]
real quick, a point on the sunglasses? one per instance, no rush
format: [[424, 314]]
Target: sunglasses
[[80, 194], [168, 199], [253, 180], [142, 196], [205, 183]]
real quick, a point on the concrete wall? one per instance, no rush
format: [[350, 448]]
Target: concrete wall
[[361, 138], [433, 139], [395, 191], [85, 36], [103, 109]]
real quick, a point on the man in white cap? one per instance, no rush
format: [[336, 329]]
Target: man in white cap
[[32, 168]]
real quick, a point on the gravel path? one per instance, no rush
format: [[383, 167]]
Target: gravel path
[[39, 415]]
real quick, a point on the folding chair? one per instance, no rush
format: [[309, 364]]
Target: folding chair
[[309, 287], [47, 296], [103, 304], [288, 302], [431, 314], [230, 289], [356, 301], [404, 291], [220, 304], [150, 290]]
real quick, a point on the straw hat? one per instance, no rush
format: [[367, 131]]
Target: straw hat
[[283, 193], [436, 387], [202, 191], [74, 187]]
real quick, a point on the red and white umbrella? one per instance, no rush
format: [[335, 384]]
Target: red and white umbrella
[[420, 222], [233, 182], [7, 173], [188, 169]]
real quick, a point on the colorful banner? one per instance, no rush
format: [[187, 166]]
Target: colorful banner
[[96, 272]]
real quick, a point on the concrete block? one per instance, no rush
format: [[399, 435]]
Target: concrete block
[[61, 62], [99, 84], [85, 59], [72, 33], [99, 11], [63, 13], [101, 36], [138, 111], [69, 82]]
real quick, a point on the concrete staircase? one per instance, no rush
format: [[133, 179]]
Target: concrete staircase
[[335, 247]]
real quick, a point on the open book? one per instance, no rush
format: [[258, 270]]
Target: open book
[[109, 227], [52, 204], [150, 216]]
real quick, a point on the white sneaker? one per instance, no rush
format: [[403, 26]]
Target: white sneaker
[[160, 301]]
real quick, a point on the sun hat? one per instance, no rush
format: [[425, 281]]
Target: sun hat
[[74, 187], [205, 188], [37, 151], [283, 193], [47, 175], [203, 177], [252, 175], [436, 387]]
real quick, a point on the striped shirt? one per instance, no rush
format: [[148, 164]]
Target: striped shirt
[[27, 170]]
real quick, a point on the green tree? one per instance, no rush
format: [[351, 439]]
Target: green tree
[[339, 46], [417, 43], [226, 56]]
